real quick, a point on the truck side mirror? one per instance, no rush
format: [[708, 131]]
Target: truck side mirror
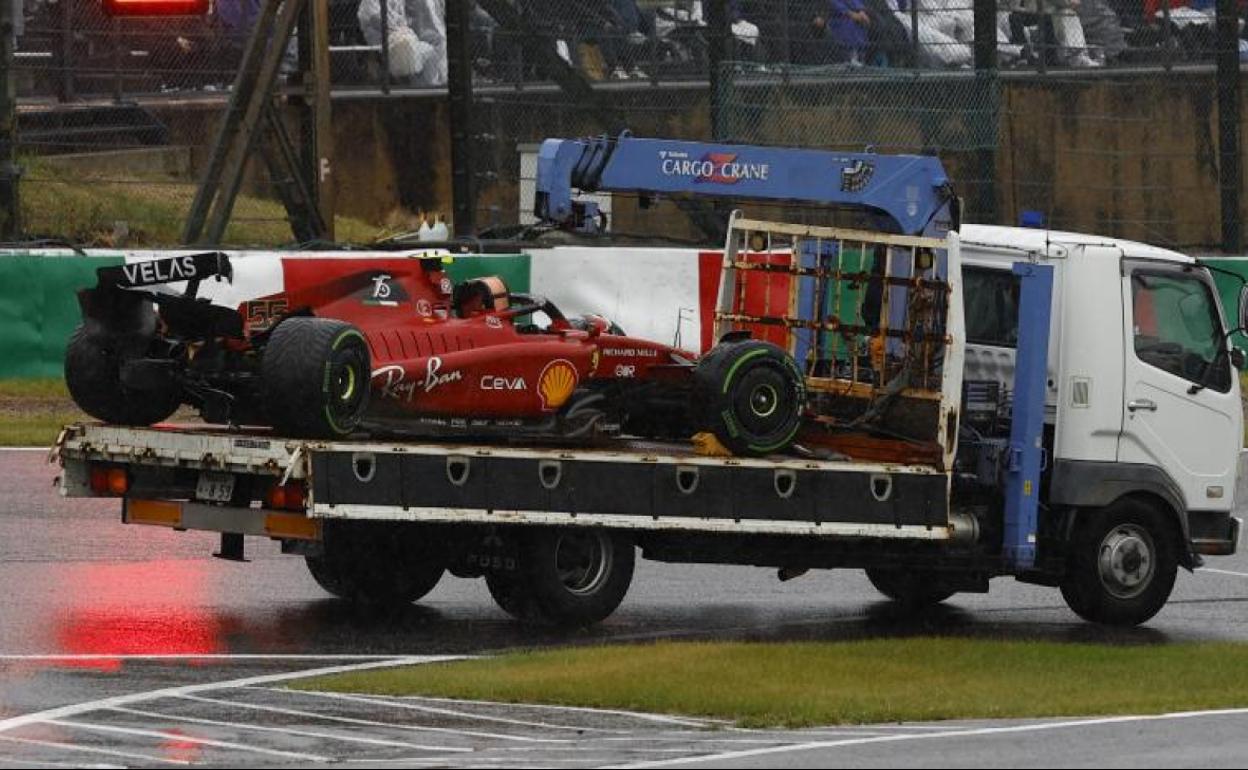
[[1237, 359], [1243, 307]]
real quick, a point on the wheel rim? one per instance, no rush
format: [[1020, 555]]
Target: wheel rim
[[759, 401], [583, 561], [346, 391], [344, 384], [1126, 561], [764, 401]]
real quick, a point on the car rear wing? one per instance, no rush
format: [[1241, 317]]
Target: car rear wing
[[192, 268], [120, 301]]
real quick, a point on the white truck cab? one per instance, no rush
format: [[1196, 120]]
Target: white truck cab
[[1143, 401]]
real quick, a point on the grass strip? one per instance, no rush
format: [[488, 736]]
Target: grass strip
[[87, 208], [852, 682], [33, 411]]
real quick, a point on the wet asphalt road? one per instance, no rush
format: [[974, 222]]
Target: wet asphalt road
[[91, 609]]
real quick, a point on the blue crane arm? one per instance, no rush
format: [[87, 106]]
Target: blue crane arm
[[907, 191]]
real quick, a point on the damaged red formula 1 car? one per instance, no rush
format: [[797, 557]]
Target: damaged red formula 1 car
[[390, 346]]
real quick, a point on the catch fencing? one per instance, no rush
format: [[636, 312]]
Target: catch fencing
[[1101, 115]]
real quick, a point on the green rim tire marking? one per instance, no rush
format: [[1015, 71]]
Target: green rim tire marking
[[736, 365]]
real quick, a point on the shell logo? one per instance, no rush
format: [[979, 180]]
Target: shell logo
[[556, 383]]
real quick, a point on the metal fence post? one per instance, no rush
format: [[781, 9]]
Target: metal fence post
[[10, 203], [67, 51], [459, 90], [984, 203], [1167, 36], [1229, 168], [385, 46], [719, 29], [118, 59], [914, 32]]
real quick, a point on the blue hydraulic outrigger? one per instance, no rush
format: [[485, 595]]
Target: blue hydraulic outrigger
[[907, 194]]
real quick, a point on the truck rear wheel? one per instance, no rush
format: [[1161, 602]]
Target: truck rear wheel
[[1121, 563], [316, 374], [908, 587], [93, 361], [751, 395], [566, 577], [378, 564]]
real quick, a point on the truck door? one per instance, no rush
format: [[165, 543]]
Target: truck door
[[1181, 410]]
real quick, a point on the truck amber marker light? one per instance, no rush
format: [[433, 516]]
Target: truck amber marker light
[[156, 7]]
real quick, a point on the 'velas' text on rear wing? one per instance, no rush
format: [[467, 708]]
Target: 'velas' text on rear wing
[[189, 267]]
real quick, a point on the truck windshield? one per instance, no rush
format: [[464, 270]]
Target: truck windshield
[[1177, 328]]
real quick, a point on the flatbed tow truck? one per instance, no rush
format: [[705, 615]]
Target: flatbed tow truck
[[982, 402]]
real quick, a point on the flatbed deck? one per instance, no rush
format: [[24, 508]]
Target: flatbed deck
[[622, 483]]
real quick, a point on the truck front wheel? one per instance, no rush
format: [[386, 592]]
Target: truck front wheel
[[1121, 563], [376, 564], [566, 577], [910, 588]]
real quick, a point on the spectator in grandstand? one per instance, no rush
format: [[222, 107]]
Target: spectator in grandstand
[[417, 38], [623, 32], [827, 31], [946, 31], [847, 24], [1068, 46], [1102, 30], [889, 38], [235, 18]]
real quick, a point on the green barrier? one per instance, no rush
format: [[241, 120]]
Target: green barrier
[[39, 310], [1228, 289], [514, 269], [39, 303]]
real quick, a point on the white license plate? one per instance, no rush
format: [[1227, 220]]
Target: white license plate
[[215, 487]]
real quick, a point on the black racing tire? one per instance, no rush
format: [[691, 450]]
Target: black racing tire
[[910, 588], [1121, 563], [574, 576], [93, 361], [512, 596], [315, 374], [377, 564], [751, 395]]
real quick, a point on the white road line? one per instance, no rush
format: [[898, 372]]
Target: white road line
[[391, 703], [928, 728], [93, 750], [588, 748], [284, 730], [706, 739], [24, 448], [907, 737], [188, 656], [16, 762], [369, 722], [682, 721], [74, 709], [1222, 571], [182, 738]]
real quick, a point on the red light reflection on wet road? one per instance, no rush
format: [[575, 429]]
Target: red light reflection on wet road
[[139, 608]]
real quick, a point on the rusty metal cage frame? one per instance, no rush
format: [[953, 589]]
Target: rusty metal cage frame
[[914, 350]]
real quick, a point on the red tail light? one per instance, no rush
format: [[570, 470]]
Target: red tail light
[[156, 7], [288, 497], [109, 482]]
